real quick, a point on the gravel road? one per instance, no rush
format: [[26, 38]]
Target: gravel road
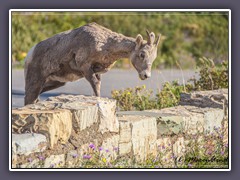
[[114, 79]]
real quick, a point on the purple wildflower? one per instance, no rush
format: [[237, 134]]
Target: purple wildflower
[[116, 149], [109, 164], [189, 165], [92, 146], [155, 160], [41, 158], [221, 136], [100, 148], [194, 136], [222, 153], [163, 147], [216, 128], [75, 155], [107, 150], [226, 145], [209, 152], [29, 159], [52, 166], [87, 157]]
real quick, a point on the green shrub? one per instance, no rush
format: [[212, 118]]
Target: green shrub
[[211, 76], [139, 98]]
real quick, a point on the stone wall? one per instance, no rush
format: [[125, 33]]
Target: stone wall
[[54, 132]]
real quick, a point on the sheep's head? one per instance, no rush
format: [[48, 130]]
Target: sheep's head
[[144, 54]]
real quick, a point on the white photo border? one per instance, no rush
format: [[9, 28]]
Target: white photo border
[[116, 10]]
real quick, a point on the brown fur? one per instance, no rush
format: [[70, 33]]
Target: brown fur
[[87, 51]]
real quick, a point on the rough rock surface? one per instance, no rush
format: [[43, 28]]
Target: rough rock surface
[[86, 111], [137, 136], [25, 144], [77, 125], [183, 119], [56, 125], [105, 107], [213, 99], [28, 143]]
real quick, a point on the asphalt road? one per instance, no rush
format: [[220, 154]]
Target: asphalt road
[[112, 80]]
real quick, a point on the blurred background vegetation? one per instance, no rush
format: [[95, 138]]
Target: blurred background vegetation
[[186, 36]]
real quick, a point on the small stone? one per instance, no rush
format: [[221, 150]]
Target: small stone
[[25, 144]]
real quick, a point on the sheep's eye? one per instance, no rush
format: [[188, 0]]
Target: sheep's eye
[[142, 55]]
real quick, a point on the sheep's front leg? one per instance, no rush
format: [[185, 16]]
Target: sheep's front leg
[[95, 81]]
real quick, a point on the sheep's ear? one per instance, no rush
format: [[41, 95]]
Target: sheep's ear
[[139, 40], [158, 40], [151, 37]]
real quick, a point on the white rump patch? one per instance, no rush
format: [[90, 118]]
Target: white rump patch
[[28, 59]]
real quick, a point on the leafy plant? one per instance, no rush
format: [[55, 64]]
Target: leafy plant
[[211, 76], [170, 94], [139, 98]]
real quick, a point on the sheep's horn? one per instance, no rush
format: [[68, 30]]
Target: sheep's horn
[[158, 40]]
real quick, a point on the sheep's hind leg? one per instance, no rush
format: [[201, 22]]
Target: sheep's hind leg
[[94, 80], [32, 92]]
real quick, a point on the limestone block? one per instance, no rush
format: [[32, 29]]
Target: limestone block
[[83, 116], [56, 125], [25, 144], [137, 135], [203, 119], [187, 119], [178, 119], [169, 125], [125, 132], [107, 116], [212, 99], [213, 118], [125, 148], [106, 111]]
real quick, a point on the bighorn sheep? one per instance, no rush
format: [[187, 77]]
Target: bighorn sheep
[[87, 51]]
